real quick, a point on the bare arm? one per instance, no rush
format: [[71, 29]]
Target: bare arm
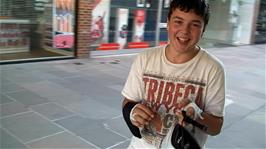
[[213, 123]]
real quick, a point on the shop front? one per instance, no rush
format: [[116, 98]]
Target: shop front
[[59, 29], [36, 29], [129, 26]]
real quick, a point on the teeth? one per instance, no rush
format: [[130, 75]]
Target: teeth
[[183, 39]]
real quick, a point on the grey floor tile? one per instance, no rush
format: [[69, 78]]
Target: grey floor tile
[[54, 91], [29, 126], [70, 68], [91, 86], [78, 124], [102, 137], [63, 140], [241, 99], [60, 73], [12, 108], [214, 142], [27, 97], [256, 93], [251, 129], [122, 145], [101, 93], [52, 111], [234, 113], [116, 87], [10, 71], [4, 81], [93, 109], [119, 125], [246, 133], [7, 141], [10, 88], [19, 76], [119, 74], [5, 99], [44, 66], [107, 78], [91, 130], [43, 75]]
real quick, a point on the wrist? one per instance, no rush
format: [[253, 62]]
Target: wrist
[[132, 114]]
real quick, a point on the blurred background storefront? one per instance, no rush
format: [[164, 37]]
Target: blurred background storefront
[[36, 29], [52, 29], [142, 23]]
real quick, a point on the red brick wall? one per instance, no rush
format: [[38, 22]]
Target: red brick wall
[[83, 41]]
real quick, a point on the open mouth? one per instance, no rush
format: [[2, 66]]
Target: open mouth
[[183, 40]]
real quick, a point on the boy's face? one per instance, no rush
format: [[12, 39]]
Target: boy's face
[[184, 30]]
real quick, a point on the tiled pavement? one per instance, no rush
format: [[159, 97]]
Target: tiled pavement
[[77, 103]]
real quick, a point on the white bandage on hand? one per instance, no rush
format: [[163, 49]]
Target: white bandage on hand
[[197, 110], [132, 115]]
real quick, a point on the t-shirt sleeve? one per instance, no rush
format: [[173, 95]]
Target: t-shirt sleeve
[[215, 94], [134, 86]]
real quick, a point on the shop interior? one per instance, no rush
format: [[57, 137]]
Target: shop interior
[[36, 29]]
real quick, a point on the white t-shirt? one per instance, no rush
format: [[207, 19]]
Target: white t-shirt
[[161, 84]]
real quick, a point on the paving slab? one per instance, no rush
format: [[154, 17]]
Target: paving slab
[[52, 111], [62, 140], [12, 108], [91, 130], [9, 142], [29, 126], [5, 99], [27, 97]]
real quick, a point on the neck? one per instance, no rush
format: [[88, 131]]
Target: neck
[[179, 57]]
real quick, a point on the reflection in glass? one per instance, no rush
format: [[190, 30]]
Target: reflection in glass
[[36, 29]]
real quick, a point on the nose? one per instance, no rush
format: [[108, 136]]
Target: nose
[[185, 28]]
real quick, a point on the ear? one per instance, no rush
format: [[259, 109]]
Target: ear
[[203, 30]]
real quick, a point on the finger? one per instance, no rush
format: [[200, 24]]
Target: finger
[[183, 103], [146, 109], [137, 124], [141, 110], [142, 113], [140, 116], [141, 120]]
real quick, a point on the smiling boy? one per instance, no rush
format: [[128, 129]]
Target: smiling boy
[[181, 76]]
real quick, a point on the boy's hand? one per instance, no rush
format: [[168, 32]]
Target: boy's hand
[[182, 105], [192, 110], [141, 115]]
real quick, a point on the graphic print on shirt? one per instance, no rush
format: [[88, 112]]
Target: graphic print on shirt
[[162, 94]]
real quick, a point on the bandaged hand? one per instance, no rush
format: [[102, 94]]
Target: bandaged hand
[[193, 111], [191, 108]]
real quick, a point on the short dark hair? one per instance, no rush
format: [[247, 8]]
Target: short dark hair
[[200, 7]]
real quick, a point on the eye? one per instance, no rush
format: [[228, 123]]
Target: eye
[[196, 25], [177, 21]]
